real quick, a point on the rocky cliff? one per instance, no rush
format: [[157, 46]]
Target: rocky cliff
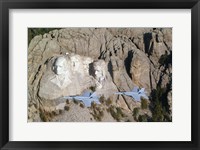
[[127, 57]]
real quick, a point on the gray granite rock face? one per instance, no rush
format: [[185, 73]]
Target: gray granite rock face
[[53, 86], [129, 57]]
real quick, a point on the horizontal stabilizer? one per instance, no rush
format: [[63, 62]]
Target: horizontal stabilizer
[[136, 97], [68, 97], [142, 90]]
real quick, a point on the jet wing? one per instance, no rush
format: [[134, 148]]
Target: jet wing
[[86, 94], [88, 102], [144, 96], [136, 96], [135, 89]]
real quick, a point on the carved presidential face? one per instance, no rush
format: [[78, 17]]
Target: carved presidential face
[[98, 72], [86, 62], [76, 62], [60, 66]]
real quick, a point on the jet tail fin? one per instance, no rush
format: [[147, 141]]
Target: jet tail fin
[[135, 89], [136, 97], [94, 95], [86, 94]]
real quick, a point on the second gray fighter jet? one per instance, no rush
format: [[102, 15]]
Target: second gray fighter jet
[[136, 94]]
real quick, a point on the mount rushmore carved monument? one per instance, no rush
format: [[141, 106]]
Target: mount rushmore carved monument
[[70, 66]]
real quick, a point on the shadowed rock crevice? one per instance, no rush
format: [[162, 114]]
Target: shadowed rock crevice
[[148, 43], [110, 69], [127, 63]]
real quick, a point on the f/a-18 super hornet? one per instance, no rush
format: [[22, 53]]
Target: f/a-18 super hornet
[[136, 93], [87, 98]]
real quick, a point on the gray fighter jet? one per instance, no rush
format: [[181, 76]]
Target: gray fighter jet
[[136, 93], [87, 98]]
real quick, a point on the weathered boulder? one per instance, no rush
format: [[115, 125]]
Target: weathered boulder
[[140, 70]]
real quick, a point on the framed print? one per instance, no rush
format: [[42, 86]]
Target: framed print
[[112, 75]]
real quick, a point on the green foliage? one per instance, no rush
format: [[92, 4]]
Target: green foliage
[[46, 115], [98, 113], [102, 99], [116, 113], [139, 118], [119, 111], [67, 101], [43, 117], [157, 115], [67, 108], [92, 88], [165, 59], [101, 113], [144, 104], [160, 107], [135, 118], [75, 101], [142, 118], [169, 84], [93, 105], [105, 101], [32, 32], [108, 102], [98, 118], [135, 111], [128, 120], [61, 111], [82, 105], [108, 110]]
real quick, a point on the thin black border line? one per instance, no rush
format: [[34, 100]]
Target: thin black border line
[[198, 70], [194, 5], [194, 75], [97, 4], [1, 81], [4, 78]]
